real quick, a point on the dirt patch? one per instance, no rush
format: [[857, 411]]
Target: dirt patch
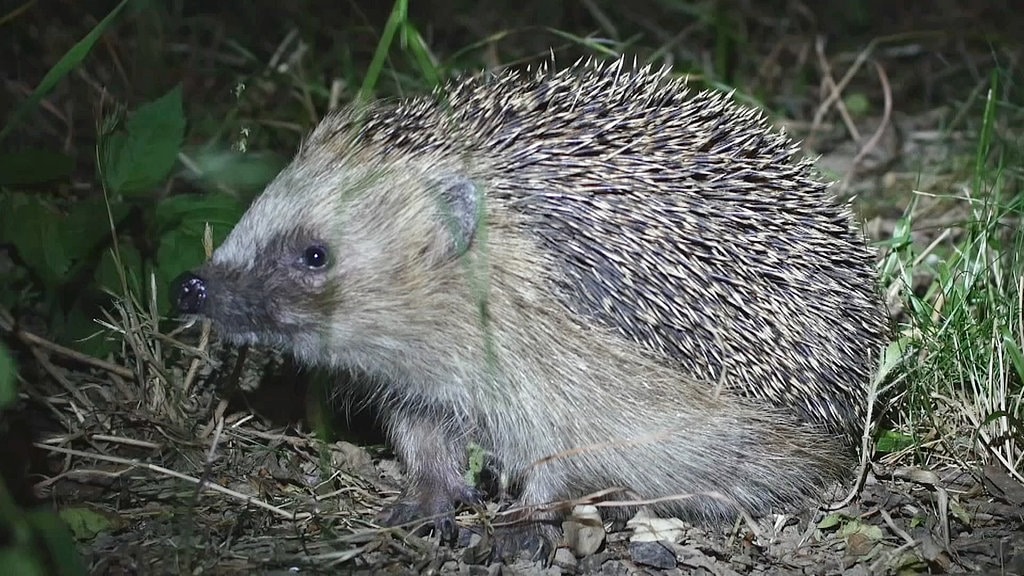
[[224, 490], [163, 522]]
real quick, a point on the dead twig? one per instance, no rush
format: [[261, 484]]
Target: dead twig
[[7, 323], [201, 484], [872, 143]]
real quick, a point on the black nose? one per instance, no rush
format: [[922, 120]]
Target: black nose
[[188, 293]]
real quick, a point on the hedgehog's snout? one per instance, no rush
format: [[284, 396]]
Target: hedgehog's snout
[[188, 293]]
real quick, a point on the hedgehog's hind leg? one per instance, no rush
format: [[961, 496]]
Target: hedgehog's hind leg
[[433, 452], [534, 536], [532, 528]]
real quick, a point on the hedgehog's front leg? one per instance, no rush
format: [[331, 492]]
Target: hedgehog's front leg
[[433, 450]]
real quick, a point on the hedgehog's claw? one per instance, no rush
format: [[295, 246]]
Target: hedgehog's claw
[[434, 509], [532, 540], [535, 543]]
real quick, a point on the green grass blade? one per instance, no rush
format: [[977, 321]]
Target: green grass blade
[[72, 58], [417, 47], [399, 14], [987, 126]]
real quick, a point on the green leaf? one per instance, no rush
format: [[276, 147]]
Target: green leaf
[[21, 561], [180, 250], [87, 227], [870, 531], [218, 169], [16, 288], [34, 167], [857, 103], [140, 157], [831, 521], [72, 58], [85, 523], [891, 441], [8, 383], [81, 332], [183, 221], [33, 227], [191, 213], [108, 274], [49, 528], [477, 458], [964, 516]]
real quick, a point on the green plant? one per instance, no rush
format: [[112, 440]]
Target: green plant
[[410, 40], [8, 389], [73, 254], [963, 378], [32, 541]]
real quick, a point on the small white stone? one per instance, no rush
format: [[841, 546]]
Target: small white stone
[[584, 531], [564, 558], [647, 528]]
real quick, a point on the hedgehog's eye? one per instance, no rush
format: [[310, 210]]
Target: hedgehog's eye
[[314, 257]]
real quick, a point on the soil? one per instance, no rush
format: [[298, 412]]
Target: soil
[[903, 520]]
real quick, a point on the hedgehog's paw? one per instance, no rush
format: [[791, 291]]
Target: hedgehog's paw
[[533, 542], [430, 509], [532, 539]]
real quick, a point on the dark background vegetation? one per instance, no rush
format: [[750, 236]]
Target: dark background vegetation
[[756, 46]]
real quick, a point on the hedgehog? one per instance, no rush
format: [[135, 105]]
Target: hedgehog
[[608, 282]]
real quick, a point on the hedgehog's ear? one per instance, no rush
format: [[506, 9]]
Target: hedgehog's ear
[[461, 209]]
